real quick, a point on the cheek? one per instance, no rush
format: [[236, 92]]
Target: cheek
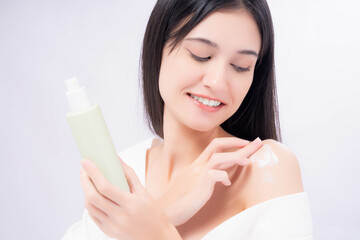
[[165, 77], [186, 70], [239, 90], [177, 74], [164, 86]]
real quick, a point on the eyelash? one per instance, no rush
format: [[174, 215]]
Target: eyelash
[[200, 59], [240, 69]]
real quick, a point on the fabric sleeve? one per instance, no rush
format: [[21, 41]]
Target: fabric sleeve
[[283, 218], [287, 218]]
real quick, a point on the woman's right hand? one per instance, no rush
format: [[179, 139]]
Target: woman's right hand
[[193, 186]]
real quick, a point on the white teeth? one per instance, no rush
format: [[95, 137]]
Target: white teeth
[[205, 101]]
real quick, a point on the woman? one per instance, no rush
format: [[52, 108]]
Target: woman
[[208, 84]]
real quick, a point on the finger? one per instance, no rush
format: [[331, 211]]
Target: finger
[[219, 144], [227, 160], [225, 166], [97, 222], [219, 176], [95, 213], [134, 183], [93, 196], [102, 185], [251, 148], [123, 164]]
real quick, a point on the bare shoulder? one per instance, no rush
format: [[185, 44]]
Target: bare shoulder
[[274, 172]]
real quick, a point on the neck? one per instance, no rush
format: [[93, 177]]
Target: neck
[[182, 145]]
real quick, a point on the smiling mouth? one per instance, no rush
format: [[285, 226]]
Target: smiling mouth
[[206, 101]]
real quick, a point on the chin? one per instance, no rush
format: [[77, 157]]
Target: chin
[[201, 127]]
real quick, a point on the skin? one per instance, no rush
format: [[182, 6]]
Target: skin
[[196, 153], [187, 129], [119, 214]]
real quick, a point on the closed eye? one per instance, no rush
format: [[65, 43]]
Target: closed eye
[[201, 59], [240, 69], [197, 58]]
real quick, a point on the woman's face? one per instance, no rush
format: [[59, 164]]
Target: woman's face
[[213, 65]]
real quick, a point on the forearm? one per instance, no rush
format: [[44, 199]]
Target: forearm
[[173, 208], [165, 204]]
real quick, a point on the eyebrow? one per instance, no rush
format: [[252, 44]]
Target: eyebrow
[[212, 44]]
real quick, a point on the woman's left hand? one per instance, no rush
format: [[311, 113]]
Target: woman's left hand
[[130, 215]]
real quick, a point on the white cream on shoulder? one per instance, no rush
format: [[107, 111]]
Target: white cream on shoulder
[[265, 158]]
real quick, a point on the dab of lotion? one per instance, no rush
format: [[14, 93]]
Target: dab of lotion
[[264, 157]]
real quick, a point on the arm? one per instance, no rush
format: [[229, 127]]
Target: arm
[[280, 177], [275, 191], [194, 185]]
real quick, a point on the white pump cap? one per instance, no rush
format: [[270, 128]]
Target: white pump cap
[[76, 96]]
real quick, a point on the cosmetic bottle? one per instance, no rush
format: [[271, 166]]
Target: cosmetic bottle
[[92, 135]]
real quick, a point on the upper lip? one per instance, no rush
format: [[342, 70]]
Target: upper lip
[[204, 96]]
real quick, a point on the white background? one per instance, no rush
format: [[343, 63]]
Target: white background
[[43, 43]]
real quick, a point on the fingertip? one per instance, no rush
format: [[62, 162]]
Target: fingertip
[[257, 142], [228, 183], [249, 162], [123, 163], [84, 163]]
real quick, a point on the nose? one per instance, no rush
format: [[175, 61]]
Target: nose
[[215, 77]]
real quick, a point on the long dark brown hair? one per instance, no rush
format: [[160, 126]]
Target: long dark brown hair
[[257, 115]]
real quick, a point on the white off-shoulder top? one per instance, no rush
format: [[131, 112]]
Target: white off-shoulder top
[[282, 218]]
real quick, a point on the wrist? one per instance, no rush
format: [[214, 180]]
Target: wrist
[[163, 203], [176, 210], [170, 232]]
